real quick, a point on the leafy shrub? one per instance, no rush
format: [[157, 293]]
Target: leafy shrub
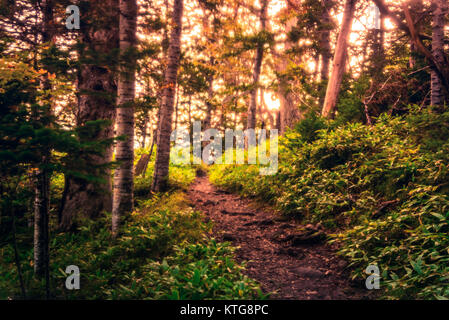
[[385, 187], [201, 272], [163, 252]]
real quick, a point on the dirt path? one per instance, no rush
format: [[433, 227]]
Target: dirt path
[[279, 257]]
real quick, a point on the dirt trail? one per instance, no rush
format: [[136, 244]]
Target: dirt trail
[[295, 267]]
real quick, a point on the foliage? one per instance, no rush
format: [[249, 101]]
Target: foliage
[[180, 176], [385, 187], [162, 253], [28, 131]]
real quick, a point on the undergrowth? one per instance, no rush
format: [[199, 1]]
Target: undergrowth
[[382, 189], [163, 252]]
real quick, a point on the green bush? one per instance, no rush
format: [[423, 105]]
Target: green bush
[[163, 252], [160, 254], [384, 187]]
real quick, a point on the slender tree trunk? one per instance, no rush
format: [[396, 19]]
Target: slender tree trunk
[[160, 178], [97, 101], [41, 234], [338, 67], [211, 38], [189, 111], [325, 41], [416, 5], [177, 107], [266, 110], [123, 180], [260, 109], [412, 59], [438, 9], [278, 121], [153, 139], [381, 42], [42, 176], [222, 122], [252, 108], [209, 104], [145, 129], [289, 112]]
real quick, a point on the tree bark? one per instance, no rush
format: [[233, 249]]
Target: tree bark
[[338, 67], [144, 130], [210, 96], [41, 234], [378, 51], [252, 108], [97, 100], [123, 198], [42, 176], [438, 9], [161, 167], [416, 5], [288, 112], [177, 108], [325, 42]]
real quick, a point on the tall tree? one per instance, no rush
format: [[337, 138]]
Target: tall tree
[[288, 113], [252, 108], [325, 40], [161, 167], [338, 67], [42, 176], [415, 5], [210, 32], [123, 179], [438, 9], [97, 101]]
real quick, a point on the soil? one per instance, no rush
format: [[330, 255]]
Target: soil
[[289, 260]]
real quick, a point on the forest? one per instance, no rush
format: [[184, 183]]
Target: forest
[[224, 150]]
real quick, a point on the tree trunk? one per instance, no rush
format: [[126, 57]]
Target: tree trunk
[[144, 131], [177, 107], [416, 5], [210, 96], [338, 67], [277, 125], [153, 140], [325, 42], [97, 101], [160, 178], [288, 113], [42, 176], [144, 170], [189, 114], [41, 234], [123, 198], [252, 108], [438, 9]]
